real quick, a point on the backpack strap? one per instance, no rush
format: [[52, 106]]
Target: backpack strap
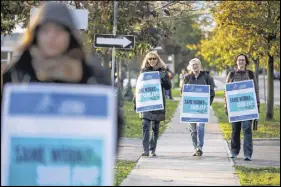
[[231, 76], [251, 74], [205, 78]]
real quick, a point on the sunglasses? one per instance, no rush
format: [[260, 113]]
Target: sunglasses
[[152, 59]]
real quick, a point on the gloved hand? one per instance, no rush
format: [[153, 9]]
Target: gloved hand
[[163, 76]]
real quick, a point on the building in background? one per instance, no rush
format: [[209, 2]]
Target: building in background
[[8, 44]]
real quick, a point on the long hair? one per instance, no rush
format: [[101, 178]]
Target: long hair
[[160, 64]]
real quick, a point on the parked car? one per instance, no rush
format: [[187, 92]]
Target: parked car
[[276, 75]]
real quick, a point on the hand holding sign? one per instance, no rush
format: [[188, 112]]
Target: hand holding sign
[[241, 101], [195, 103], [149, 92]]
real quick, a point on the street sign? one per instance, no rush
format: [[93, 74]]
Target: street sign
[[52, 135], [117, 41]]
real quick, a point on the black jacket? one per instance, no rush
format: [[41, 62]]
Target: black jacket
[[158, 115], [204, 79]]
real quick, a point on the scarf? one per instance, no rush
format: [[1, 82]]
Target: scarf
[[65, 68]]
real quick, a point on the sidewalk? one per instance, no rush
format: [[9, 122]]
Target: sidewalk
[[266, 153], [175, 164], [129, 149]]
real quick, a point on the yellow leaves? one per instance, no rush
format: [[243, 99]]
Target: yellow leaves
[[192, 46], [105, 15], [241, 28]]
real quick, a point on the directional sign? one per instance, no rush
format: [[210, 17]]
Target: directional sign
[[117, 41]]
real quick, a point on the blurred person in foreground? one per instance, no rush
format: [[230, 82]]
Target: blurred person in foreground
[[52, 52]]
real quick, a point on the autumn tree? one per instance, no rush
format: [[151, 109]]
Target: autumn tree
[[251, 27]]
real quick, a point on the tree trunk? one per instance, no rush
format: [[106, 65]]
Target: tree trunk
[[270, 88], [257, 69], [128, 93], [106, 60]]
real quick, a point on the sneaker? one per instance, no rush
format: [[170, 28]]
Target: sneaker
[[247, 158], [153, 154], [145, 154], [194, 153], [199, 152], [233, 156]]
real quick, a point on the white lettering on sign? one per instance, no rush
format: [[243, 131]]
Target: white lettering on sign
[[72, 107], [53, 175], [65, 176], [82, 176]]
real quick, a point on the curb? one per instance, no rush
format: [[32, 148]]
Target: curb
[[265, 139], [137, 164], [228, 153], [259, 139], [236, 176]]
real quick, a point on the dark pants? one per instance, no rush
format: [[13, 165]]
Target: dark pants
[[168, 93], [150, 144], [235, 138]]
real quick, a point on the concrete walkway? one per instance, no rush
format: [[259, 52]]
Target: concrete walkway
[[175, 164], [129, 149], [266, 153]]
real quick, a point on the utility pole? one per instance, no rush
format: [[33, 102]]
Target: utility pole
[[114, 33]]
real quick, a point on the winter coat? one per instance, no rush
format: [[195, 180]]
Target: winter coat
[[158, 115], [203, 79]]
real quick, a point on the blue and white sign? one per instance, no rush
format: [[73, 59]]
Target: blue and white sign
[[149, 92], [195, 106], [241, 101], [58, 134]]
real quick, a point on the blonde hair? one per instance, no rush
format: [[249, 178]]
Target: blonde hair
[[160, 64], [193, 60]]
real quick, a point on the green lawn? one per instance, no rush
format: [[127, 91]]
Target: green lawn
[[133, 126], [220, 93], [122, 169], [266, 129], [176, 92], [267, 176]]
